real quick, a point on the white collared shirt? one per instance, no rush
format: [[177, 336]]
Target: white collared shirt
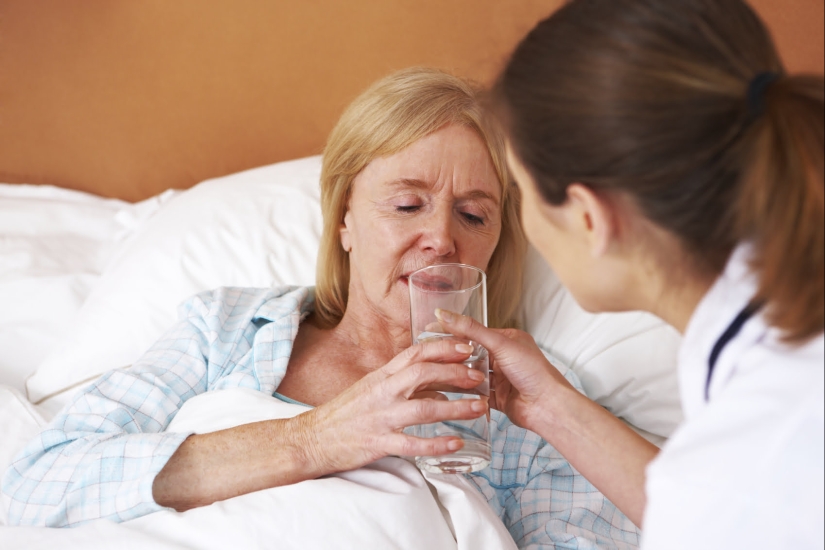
[[745, 469]]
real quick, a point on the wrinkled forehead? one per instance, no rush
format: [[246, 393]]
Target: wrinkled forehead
[[454, 158], [476, 189]]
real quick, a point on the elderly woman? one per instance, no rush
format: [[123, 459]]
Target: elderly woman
[[412, 176]]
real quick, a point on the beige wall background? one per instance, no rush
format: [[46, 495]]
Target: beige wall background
[[127, 98]]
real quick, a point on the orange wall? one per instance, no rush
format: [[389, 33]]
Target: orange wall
[[797, 28], [127, 98]]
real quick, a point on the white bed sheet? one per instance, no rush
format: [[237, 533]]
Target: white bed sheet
[[387, 504]]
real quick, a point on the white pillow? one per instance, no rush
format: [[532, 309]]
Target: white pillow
[[262, 227], [255, 228], [54, 244]]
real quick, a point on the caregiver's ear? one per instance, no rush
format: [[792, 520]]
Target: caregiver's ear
[[594, 216], [343, 232]]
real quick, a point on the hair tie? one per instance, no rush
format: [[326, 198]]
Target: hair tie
[[756, 92]]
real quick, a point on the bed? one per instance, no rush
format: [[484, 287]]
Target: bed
[[113, 215], [109, 274]]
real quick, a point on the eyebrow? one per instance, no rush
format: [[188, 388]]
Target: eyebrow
[[419, 184], [409, 182]]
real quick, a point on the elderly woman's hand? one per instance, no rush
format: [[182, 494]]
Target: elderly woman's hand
[[366, 421], [362, 424], [523, 381]]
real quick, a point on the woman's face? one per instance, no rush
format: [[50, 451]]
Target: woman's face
[[608, 255], [437, 201], [556, 233]]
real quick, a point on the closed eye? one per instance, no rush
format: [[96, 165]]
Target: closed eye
[[413, 208], [472, 219]]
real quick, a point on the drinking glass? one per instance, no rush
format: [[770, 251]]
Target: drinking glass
[[462, 289]]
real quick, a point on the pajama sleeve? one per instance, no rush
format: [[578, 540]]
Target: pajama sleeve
[[98, 458]]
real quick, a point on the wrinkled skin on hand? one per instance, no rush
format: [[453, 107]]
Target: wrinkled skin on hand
[[366, 421]]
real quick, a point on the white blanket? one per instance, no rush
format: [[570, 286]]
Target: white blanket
[[387, 504]]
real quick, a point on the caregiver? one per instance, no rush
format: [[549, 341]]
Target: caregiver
[[669, 164]]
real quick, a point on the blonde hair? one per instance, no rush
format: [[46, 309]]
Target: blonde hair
[[389, 116]]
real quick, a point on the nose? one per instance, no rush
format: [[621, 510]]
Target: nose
[[437, 235]]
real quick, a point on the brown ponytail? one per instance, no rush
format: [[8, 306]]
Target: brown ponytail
[[781, 205], [654, 99]]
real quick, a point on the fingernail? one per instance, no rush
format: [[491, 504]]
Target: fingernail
[[455, 444], [479, 406], [464, 348], [444, 316], [476, 375]]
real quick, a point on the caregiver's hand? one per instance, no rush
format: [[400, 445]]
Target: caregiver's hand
[[536, 396], [365, 422], [524, 382]]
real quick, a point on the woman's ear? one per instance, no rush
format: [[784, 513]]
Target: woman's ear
[[343, 232], [593, 216]]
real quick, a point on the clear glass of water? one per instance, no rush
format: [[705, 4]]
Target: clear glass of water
[[462, 289]]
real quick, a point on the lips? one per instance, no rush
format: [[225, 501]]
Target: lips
[[405, 277], [406, 274], [436, 283], [432, 283]]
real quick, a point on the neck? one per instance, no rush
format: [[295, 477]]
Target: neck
[[676, 304], [660, 276], [672, 290], [377, 338]]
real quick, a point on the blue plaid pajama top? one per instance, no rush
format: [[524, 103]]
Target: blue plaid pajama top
[[99, 456]]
